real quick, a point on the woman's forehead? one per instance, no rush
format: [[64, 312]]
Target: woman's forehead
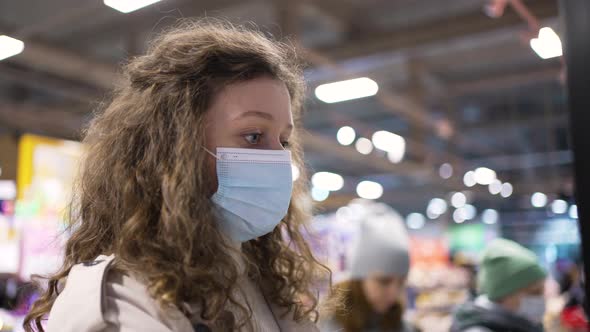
[[261, 97]]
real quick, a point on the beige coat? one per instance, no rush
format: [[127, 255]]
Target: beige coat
[[96, 300]]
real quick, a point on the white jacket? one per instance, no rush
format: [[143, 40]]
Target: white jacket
[[98, 300]]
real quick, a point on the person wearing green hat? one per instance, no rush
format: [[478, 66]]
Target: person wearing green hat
[[511, 286]]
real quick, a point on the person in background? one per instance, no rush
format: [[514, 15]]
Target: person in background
[[511, 284], [187, 217], [573, 317], [373, 299]]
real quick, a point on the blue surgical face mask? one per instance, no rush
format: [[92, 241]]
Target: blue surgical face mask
[[532, 307], [254, 191]]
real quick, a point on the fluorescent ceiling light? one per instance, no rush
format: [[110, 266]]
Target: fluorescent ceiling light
[[469, 179], [327, 181], [490, 216], [459, 216], [495, 187], [295, 172], [445, 171], [7, 190], [469, 211], [437, 206], [346, 90], [573, 212], [559, 206], [507, 190], [319, 195], [458, 200], [415, 221], [127, 6], [364, 146], [539, 200], [346, 135], [548, 44], [369, 190], [393, 144], [10, 47], [484, 176]]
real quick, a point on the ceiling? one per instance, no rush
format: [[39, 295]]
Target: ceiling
[[459, 86]]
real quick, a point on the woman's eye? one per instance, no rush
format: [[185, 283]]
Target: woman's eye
[[253, 138], [285, 144]]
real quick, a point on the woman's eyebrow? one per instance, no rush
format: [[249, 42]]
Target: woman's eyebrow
[[258, 114], [262, 115]]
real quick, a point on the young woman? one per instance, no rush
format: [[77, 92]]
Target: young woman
[[372, 301], [185, 200]]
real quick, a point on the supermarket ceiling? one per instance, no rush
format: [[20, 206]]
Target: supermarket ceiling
[[459, 86]]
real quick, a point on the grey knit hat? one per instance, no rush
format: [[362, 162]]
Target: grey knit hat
[[381, 246]]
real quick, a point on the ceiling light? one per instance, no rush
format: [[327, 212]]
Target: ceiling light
[[10, 47], [364, 146], [346, 90], [459, 216], [458, 200], [573, 211], [490, 216], [432, 215], [539, 200], [469, 179], [127, 6], [445, 171], [346, 135], [415, 221], [393, 144], [7, 190], [437, 206], [369, 190], [559, 206], [495, 187], [547, 45], [319, 195], [507, 190], [470, 211], [327, 181], [295, 172], [484, 176]]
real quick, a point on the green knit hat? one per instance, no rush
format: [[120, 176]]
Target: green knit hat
[[506, 268]]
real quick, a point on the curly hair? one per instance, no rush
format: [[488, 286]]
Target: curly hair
[[349, 308], [142, 193]]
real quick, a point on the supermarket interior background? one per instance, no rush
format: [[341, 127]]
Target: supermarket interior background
[[453, 116]]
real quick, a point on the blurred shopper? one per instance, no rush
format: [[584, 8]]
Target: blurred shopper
[[373, 300], [511, 282], [573, 318], [186, 195]]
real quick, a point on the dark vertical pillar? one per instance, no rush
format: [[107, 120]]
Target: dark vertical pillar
[[575, 15]]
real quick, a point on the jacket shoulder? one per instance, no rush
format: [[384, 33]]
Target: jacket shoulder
[[79, 306], [97, 298]]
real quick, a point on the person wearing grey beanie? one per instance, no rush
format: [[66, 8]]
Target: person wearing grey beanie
[[372, 300]]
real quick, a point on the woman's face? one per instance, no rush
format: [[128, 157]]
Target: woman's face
[[383, 292], [254, 114]]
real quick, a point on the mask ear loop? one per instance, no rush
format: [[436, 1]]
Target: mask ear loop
[[211, 153]]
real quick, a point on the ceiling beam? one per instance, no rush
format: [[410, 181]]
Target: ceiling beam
[[503, 81], [48, 84], [443, 29], [67, 64], [62, 123]]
